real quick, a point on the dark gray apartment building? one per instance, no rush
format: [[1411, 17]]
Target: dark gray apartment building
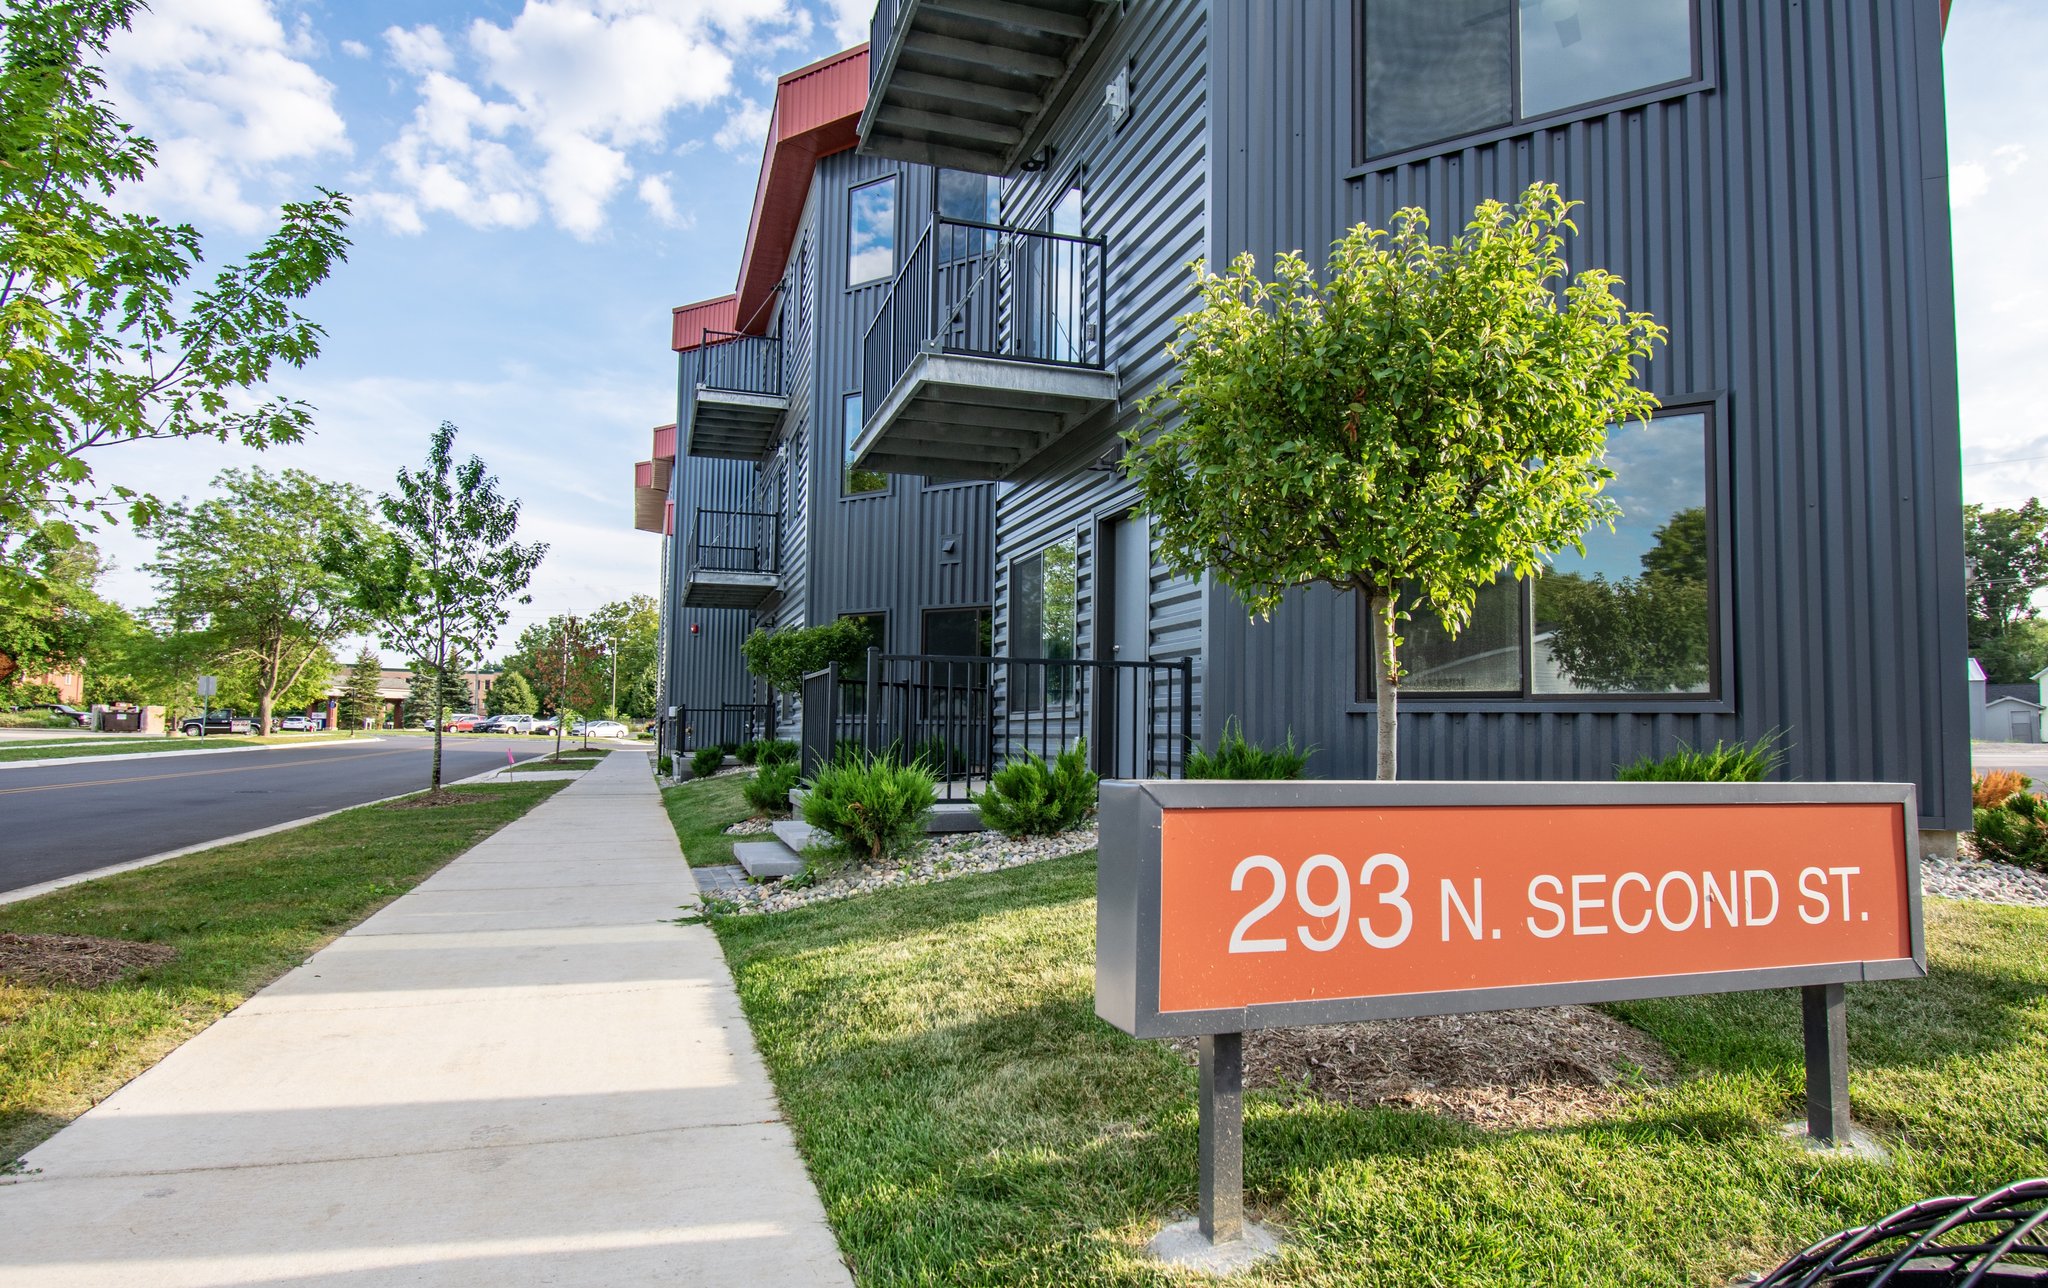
[[1768, 178]]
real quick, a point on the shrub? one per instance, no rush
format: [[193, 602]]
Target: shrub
[[768, 790], [1739, 762], [705, 761], [874, 808], [2014, 831], [784, 657], [1031, 798], [748, 751], [1236, 758], [666, 765], [729, 748], [776, 751], [1993, 787]]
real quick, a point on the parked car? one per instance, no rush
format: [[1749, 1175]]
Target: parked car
[[462, 722], [546, 725], [295, 724], [513, 724], [225, 721], [599, 729]]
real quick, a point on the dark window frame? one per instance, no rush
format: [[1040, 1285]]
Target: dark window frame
[[1041, 702], [1719, 697], [1702, 80], [925, 615], [895, 232], [888, 487]]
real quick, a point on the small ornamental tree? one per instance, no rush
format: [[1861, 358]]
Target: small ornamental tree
[[1418, 420], [436, 579], [784, 657]]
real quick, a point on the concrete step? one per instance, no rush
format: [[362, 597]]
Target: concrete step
[[796, 834], [767, 858]]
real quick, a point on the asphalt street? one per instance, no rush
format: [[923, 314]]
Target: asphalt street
[[67, 816]]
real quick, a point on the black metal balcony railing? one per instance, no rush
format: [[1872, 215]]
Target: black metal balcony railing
[[966, 717], [982, 290], [741, 364], [724, 724], [734, 541]]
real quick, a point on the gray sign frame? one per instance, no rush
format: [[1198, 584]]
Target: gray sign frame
[[1127, 919]]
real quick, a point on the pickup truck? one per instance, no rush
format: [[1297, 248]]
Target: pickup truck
[[216, 722]]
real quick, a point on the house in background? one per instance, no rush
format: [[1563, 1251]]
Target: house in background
[[394, 686]]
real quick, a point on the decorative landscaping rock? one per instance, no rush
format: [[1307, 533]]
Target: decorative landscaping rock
[[1970, 877], [939, 859], [749, 827]]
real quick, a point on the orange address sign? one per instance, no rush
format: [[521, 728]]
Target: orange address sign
[[1261, 906]]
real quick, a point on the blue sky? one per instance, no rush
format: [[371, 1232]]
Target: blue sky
[[539, 181]]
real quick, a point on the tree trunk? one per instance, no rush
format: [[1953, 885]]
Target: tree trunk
[[1388, 670], [264, 702], [437, 729]]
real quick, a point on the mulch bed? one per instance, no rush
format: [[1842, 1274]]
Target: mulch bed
[[434, 800], [81, 961], [1506, 1069]]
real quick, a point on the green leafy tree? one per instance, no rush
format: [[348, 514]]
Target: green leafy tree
[[360, 698], [630, 630], [2005, 557], [640, 699], [245, 567], [431, 692], [1418, 420], [104, 339], [511, 695], [59, 620], [539, 656], [436, 578]]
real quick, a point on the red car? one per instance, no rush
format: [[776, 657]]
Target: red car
[[462, 724]]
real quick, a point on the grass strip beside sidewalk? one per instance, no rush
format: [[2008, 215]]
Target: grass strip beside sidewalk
[[701, 809], [239, 916], [969, 1121], [166, 743]]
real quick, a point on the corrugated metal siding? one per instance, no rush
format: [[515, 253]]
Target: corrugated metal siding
[[881, 552], [1791, 227], [704, 668], [1145, 190]]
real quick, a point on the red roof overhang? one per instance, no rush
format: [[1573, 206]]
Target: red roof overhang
[[817, 113], [665, 443], [689, 322]]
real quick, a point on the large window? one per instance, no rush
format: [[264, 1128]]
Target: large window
[[957, 632], [1633, 616], [871, 232], [856, 482], [1437, 70], [965, 195], [1042, 612]]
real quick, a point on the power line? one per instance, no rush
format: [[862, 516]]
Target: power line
[[2010, 460]]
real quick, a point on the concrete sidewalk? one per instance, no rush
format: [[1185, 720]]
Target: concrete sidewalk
[[518, 1073]]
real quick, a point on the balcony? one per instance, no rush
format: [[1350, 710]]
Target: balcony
[[739, 400], [734, 560], [987, 351], [975, 84]]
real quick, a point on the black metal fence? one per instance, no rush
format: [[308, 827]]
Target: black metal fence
[[984, 290], [734, 541], [966, 717], [729, 724], [743, 364]]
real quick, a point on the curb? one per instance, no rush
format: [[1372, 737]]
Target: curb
[[80, 878], [45, 761]]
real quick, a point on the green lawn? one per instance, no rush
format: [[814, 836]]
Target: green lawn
[[969, 1120], [239, 916], [701, 810], [570, 760]]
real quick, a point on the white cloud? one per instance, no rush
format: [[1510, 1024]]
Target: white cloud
[[746, 129], [660, 199], [419, 50], [850, 19], [227, 94], [355, 49], [545, 114]]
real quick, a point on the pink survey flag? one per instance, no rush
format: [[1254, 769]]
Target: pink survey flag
[[508, 757]]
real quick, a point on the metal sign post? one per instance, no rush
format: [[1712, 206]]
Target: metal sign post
[[208, 686], [1228, 907]]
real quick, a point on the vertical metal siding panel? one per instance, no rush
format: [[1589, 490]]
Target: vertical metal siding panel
[[1789, 227]]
